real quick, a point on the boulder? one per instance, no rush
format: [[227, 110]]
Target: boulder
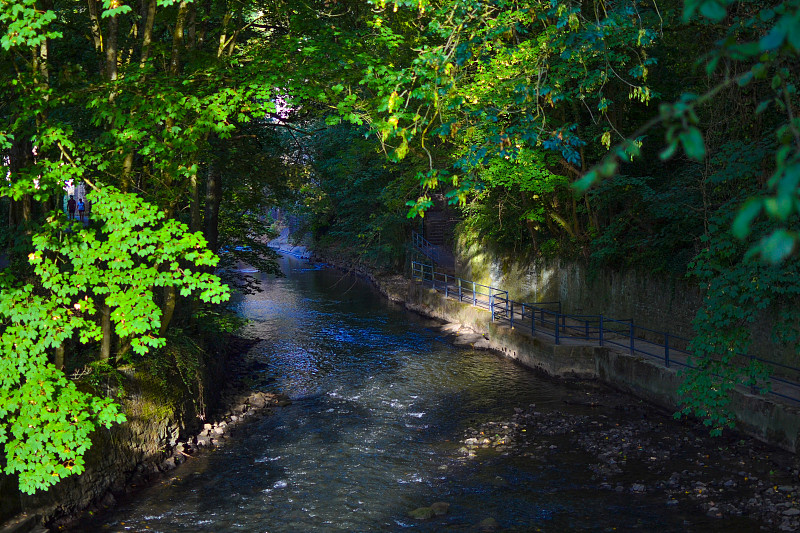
[[440, 508], [422, 513], [490, 524]]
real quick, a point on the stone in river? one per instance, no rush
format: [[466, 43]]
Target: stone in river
[[440, 508], [490, 524], [482, 344], [422, 513]]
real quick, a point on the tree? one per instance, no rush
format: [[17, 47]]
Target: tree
[[113, 269]]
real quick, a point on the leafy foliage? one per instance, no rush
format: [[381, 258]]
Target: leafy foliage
[[495, 77], [46, 419], [356, 198]]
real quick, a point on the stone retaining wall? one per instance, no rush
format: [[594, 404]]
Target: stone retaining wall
[[759, 417], [655, 301], [126, 455]]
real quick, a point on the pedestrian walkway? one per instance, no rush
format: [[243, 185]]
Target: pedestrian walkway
[[548, 321]]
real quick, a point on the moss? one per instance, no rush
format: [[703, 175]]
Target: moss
[[153, 402]]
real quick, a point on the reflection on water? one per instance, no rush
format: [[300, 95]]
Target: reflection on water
[[380, 403]]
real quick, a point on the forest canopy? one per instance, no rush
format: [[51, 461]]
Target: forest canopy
[[626, 134]]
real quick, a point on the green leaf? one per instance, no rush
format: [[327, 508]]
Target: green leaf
[[762, 106], [693, 144], [778, 246], [582, 185], [711, 9], [773, 39], [744, 218], [669, 151]]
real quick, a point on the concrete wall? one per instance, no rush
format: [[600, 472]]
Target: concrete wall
[[655, 301], [759, 417]]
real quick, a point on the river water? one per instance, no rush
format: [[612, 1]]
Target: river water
[[380, 403]]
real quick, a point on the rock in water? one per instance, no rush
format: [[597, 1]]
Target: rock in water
[[440, 508], [423, 513], [490, 524]]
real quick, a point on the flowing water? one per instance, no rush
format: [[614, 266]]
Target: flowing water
[[380, 402]]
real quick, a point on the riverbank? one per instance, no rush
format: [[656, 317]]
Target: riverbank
[[650, 452], [237, 406], [161, 434]]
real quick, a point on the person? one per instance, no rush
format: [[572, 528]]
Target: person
[[81, 208], [71, 207]]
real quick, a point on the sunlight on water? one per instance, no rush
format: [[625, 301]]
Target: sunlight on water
[[380, 403]]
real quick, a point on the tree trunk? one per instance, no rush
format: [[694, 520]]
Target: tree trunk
[[20, 156], [223, 38], [201, 34], [147, 33], [167, 309], [127, 171], [94, 17], [213, 198], [58, 357], [111, 48], [27, 208], [191, 27], [177, 38], [105, 328], [194, 224], [41, 64]]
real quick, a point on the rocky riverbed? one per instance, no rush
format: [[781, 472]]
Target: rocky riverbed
[[649, 452], [239, 403]]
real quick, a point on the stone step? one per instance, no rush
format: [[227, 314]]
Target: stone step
[[23, 523]]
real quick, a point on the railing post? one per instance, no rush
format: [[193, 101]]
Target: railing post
[[666, 350], [512, 307], [459, 290], [474, 295], [511, 318], [533, 323], [601, 330], [586, 330], [633, 348], [558, 316], [491, 303], [446, 292]]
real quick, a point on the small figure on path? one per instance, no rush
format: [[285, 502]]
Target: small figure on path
[[81, 208], [71, 207]]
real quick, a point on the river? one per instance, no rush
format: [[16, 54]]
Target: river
[[380, 404]]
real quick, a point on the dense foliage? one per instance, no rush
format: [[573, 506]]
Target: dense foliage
[[167, 111], [675, 122], [683, 116]]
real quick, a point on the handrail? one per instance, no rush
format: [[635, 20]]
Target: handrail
[[429, 250], [563, 327]]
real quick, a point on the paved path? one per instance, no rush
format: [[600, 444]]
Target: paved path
[[584, 330]]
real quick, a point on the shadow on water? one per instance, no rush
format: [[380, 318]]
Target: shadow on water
[[379, 407]]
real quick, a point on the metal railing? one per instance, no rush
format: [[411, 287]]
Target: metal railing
[[431, 251], [548, 319]]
